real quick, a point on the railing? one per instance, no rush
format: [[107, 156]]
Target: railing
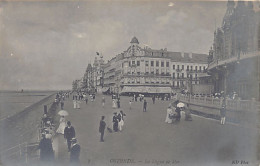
[[234, 105]]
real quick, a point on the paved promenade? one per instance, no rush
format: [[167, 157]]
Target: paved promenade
[[146, 138]]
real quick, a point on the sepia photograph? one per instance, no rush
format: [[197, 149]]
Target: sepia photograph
[[129, 83]]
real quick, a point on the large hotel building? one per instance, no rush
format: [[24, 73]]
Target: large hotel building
[[145, 70]]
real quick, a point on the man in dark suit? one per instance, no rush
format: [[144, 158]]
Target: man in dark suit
[[75, 152], [69, 133], [102, 126]]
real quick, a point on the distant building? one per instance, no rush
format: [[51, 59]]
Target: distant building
[[234, 57]]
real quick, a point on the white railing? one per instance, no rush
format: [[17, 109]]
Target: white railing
[[236, 105]]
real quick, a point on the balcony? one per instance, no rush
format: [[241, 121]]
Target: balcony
[[233, 59]]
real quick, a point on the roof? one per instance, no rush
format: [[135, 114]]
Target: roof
[[134, 40], [179, 56]]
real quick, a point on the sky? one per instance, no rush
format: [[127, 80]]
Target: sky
[[45, 45]]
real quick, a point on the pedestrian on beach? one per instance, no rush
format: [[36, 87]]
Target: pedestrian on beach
[[78, 104], [130, 104], [69, 133], [120, 120], [115, 122], [62, 105], [118, 103], [114, 103], [178, 111], [46, 150], [102, 126], [145, 106], [153, 98], [223, 112], [62, 125], [103, 101], [187, 113], [74, 153], [169, 114], [86, 100], [74, 104]]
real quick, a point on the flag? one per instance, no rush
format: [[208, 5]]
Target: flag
[[97, 53]]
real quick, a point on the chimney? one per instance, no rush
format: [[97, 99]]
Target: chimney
[[190, 55]]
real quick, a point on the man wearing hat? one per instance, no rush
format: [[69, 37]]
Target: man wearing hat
[[69, 133], [74, 152], [102, 126]]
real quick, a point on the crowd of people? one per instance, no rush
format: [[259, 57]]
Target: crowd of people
[[173, 114]]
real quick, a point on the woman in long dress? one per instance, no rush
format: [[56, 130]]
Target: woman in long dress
[[78, 104], [169, 114], [74, 104], [114, 104], [62, 125]]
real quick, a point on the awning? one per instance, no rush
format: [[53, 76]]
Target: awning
[[146, 89], [105, 89]]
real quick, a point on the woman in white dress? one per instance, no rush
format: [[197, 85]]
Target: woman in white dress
[[114, 104], [78, 104], [74, 104], [62, 125], [168, 114]]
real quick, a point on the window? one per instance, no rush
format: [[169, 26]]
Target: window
[[188, 67], [162, 73], [138, 73], [178, 67], [200, 68], [133, 62], [162, 64], [167, 64], [196, 76], [182, 75], [129, 63], [138, 63], [173, 75], [173, 67], [152, 72], [182, 67], [157, 71], [152, 62], [146, 63], [157, 63], [196, 68], [167, 73], [204, 68], [191, 68], [178, 84], [178, 75], [173, 83]]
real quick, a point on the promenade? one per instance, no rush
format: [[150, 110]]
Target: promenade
[[147, 140]]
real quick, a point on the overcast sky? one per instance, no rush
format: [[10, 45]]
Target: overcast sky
[[46, 45]]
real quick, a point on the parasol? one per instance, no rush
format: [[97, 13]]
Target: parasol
[[180, 105], [63, 113]]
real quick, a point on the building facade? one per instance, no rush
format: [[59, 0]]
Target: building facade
[[145, 70], [234, 57]]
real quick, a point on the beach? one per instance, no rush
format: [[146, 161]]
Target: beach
[[21, 116]]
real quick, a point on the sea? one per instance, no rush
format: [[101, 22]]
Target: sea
[[13, 102]]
